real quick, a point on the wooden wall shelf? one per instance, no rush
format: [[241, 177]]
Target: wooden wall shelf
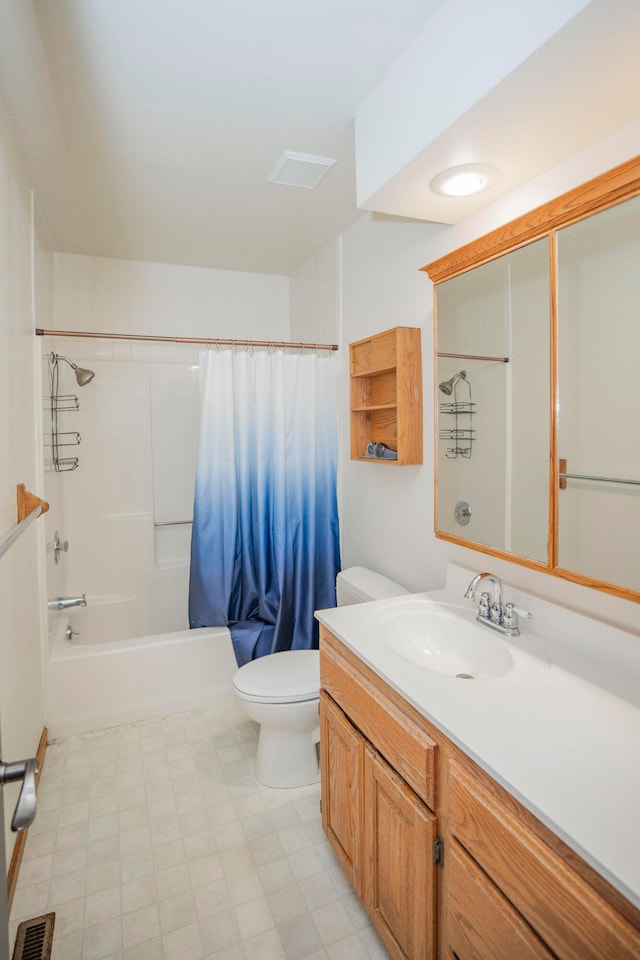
[[386, 394]]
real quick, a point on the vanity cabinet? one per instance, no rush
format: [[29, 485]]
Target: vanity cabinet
[[509, 892], [447, 863], [480, 921], [382, 832], [386, 394], [398, 869], [342, 774]]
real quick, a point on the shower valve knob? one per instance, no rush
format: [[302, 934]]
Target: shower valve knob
[[59, 546]]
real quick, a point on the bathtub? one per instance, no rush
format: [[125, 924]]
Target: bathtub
[[96, 686], [118, 616]]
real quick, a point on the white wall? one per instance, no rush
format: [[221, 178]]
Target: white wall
[[131, 296], [387, 513], [138, 422], [315, 297], [21, 702]]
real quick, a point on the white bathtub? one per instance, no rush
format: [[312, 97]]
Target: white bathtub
[[95, 686]]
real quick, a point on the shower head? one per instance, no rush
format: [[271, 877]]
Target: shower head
[[83, 376], [447, 385]]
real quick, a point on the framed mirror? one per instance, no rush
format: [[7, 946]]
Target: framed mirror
[[537, 389], [493, 418], [599, 395]]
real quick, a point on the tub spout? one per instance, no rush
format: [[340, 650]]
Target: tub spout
[[61, 603]]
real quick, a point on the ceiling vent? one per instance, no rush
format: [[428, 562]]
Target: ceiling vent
[[300, 170]]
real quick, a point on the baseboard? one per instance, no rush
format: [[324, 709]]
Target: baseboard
[[21, 839]]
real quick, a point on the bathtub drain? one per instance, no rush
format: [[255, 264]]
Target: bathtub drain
[[464, 676]]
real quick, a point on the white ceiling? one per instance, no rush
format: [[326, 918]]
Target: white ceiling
[[150, 127], [164, 119]]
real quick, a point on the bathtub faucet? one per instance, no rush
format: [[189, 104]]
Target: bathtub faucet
[[61, 603]]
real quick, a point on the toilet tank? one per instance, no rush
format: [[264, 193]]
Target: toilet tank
[[358, 585]]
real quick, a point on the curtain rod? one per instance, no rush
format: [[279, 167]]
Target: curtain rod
[[471, 356], [209, 341]]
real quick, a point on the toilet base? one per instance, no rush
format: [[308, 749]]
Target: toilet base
[[287, 754], [286, 759]]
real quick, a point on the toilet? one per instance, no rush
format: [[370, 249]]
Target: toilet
[[281, 692]]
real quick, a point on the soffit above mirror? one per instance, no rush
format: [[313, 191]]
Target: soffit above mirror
[[520, 87], [599, 193]]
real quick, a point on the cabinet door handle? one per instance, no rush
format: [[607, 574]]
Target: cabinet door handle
[[438, 852]]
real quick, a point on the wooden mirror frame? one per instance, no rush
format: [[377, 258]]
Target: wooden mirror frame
[[611, 188]]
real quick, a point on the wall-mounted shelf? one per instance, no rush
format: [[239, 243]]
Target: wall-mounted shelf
[[386, 395]]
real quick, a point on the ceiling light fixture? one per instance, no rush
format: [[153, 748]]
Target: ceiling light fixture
[[465, 180]]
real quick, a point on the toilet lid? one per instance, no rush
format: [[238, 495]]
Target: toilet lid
[[286, 677]]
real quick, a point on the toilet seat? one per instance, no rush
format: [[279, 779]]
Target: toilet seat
[[288, 677]]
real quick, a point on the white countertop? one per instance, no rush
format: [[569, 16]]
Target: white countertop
[[561, 730]]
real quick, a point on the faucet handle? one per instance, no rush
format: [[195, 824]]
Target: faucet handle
[[510, 618], [485, 605], [496, 612], [58, 546]]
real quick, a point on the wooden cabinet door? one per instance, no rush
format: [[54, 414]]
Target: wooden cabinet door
[[567, 913], [480, 923], [341, 767], [398, 868]]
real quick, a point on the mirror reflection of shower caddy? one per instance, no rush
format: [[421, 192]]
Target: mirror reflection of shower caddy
[[461, 408], [61, 403]]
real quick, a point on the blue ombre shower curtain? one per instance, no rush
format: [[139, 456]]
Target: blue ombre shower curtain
[[265, 541]]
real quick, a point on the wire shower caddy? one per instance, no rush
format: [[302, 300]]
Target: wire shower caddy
[[60, 403], [462, 409]]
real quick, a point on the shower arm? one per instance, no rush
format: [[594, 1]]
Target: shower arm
[[83, 375]]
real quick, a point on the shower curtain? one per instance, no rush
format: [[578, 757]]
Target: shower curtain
[[265, 541]]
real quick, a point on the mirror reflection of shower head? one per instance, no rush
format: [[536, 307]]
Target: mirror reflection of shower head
[[83, 376], [447, 385]]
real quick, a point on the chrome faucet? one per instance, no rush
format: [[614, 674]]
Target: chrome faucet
[[500, 616], [61, 603]]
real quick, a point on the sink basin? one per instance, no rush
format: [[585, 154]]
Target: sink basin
[[436, 638]]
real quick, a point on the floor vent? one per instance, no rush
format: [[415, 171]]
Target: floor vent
[[34, 938]]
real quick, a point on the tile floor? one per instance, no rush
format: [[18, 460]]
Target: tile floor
[[153, 841]]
